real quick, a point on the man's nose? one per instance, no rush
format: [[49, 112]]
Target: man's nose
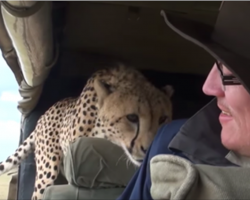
[[213, 85]]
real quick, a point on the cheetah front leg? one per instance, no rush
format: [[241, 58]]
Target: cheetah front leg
[[48, 163]]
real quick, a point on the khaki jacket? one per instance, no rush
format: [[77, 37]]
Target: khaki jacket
[[176, 178]]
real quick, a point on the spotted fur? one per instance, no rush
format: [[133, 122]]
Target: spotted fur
[[117, 104]]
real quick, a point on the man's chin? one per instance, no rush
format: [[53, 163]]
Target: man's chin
[[227, 138]]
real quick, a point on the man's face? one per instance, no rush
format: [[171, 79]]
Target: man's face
[[234, 102]]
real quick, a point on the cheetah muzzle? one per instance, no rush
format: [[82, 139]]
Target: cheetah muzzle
[[117, 104]]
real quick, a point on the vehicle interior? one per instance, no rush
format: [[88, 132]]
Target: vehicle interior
[[52, 47]]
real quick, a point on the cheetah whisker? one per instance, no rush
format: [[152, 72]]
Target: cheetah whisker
[[122, 156]]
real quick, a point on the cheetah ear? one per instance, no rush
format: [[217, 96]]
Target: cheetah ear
[[102, 90], [168, 90]]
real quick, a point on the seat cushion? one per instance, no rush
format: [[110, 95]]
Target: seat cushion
[[97, 163], [66, 192]]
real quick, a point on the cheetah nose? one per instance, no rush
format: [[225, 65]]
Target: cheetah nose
[[143, 149]]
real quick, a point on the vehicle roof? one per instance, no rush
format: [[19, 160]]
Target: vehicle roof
[[89, 35]]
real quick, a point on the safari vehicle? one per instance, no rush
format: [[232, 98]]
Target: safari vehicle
[[53, 47]]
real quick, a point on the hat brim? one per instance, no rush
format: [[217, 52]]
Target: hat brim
[[190, 31]]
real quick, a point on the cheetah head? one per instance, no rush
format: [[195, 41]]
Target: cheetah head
[[130, 116]]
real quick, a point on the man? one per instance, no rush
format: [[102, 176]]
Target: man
[[212, 149]]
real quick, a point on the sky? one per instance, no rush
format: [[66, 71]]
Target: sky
[[9, 114]]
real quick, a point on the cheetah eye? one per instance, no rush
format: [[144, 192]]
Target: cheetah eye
[[163, 119], [106, 85], [133, 118]]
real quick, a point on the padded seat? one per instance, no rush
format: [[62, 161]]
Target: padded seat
[[95, 169], [66, 192]]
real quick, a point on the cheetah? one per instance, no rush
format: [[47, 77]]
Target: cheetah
[[117, 103]]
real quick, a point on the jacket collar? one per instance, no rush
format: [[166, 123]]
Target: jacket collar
[[237, 159]]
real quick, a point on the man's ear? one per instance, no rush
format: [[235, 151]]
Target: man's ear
[[168, 90], [102, 90]]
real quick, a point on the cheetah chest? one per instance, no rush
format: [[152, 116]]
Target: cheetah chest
[[80, 124]]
